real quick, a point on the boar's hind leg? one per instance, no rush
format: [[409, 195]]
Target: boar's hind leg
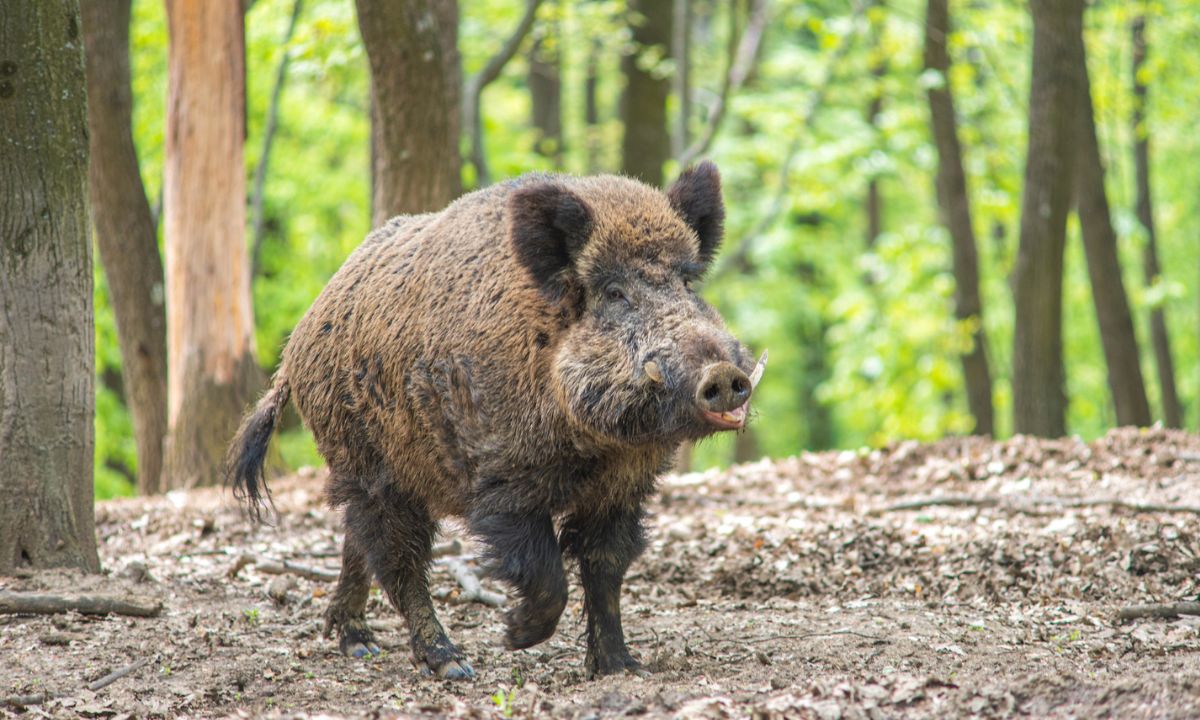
[[521, 550], [605, 543], [347, 612], [396, 533]]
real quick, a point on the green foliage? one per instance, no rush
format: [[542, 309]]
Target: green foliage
[[864, 344]]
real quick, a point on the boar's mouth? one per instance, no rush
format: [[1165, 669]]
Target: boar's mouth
[[730, 419]]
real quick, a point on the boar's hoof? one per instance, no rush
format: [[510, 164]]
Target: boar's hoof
[[450, 670], [357, 640], [440, 658], [599, 665]]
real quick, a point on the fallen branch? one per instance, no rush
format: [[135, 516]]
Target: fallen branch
[[1031, 507], [1169, 611], [472, 589], [34, 604], [268, 566], [43, 697]]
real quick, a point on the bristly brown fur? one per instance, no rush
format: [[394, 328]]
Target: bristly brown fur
[[487, 362]]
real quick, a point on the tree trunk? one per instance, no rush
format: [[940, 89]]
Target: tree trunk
[[1159, 338], [416, 83], [874, 204], [545, 92], [681, 85], [647, 143], [47, 352], [125, 233], [1039, 398], [1104, 267], [591, 107], [955, 204], [212, 371]]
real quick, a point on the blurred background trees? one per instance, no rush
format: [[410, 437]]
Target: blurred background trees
[[928, 226]]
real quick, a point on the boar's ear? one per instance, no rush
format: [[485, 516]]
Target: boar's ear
[[548, 225], [696, 196]]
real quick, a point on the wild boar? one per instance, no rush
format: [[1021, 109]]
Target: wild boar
[[528, 359]]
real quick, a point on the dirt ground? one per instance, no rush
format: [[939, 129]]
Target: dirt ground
[[796, 588]]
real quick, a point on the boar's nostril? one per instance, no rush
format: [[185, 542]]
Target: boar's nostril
[[723, 388]]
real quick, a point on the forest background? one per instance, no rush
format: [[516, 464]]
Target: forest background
[[835, 257]]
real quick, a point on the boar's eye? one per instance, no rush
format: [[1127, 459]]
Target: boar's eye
[[614, 294]]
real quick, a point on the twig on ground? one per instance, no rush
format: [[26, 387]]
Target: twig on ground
[[117, 674], [1031, 507], [472, 589], [1168, 611], [283, 567], [42, 697], [35, 604]]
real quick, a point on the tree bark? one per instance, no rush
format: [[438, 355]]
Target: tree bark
[[212, 371], [545, 92], [1159, 337], [125, 233], [646, 144], [1039, 398], [955, 204], [47, 353], [1104, 266], [412, 46]]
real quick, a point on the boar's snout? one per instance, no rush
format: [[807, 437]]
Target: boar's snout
[[722, 395]]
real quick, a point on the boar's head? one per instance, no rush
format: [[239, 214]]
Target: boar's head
[[642, 358]]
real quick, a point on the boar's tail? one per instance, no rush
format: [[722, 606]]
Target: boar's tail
[[248, 451]]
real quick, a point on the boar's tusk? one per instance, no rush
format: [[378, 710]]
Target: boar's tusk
[[757, 373], [653, 371]]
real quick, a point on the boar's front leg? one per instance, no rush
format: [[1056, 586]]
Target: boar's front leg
[[605, 543], [521, 550]]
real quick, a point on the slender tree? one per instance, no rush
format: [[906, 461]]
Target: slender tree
[[874, 204], [258, 190], [1039, 398], [1100, 246], [647, 143], [681, 80], [212, 372], [545, 88], [47, 355], [955, 204], [125, 233], [412, 46], [1159, 337]]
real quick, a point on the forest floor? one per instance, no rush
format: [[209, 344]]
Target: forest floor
[[796, 588]]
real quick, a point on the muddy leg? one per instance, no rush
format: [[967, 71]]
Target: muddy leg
[[397, 537], [605, 544], [522, 551], [346, 613]]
